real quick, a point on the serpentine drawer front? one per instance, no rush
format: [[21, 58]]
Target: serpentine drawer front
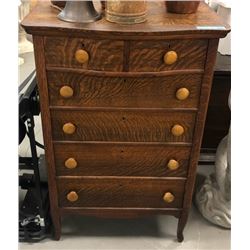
[[123, 109], [121, 159], [176, 91], [112, 192], [127, 125]]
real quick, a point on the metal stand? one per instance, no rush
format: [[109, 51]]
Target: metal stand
[[34, 218]]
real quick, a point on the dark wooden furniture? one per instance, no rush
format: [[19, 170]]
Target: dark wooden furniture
[[218, 113], [123, 110]]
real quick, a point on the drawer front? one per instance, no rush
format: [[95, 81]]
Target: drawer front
[[109, 159], [124, 126], [152, 92], [122, 192], [149, 56], [103, 54]]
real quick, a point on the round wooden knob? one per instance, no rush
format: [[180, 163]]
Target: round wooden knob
[[173, 164], [69, 128], [177, 130], [72, 196], [70, 163], [182, 94], [66, 92], [81, 56], [168, 197], [170, 57]]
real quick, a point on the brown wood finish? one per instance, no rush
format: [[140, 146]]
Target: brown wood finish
[[120, 192], [155, 92], [182, 7], [119, 213], [46, 125], [217, 125], [124, 126], [121, 159], [126, 74], [123, 141], [199, 127], [160, 25], [149, 56], [103, 54]]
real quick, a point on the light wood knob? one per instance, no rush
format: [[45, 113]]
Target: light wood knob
[[81, 56], [177, 130], [182, 94], [170, 57], [66, 92], [173, 164], [72, 196], [70, 163], [168, 197], [69, 128]]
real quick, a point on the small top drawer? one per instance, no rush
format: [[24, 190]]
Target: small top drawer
[[84, 53], [167, 55]]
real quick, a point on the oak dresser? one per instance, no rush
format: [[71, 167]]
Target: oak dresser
[[123, 110]]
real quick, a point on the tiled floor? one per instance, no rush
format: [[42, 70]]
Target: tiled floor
[[151, 233]]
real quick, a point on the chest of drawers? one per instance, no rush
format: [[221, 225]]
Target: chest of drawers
[[123, 110]]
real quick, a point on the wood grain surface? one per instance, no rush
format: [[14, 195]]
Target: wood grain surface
[[120, 192], [148, 55], [46, 126], [124, 107], [123, 125], [103, 54], [159, 25], [119, 213], [121, 159], [199, 128], [147, 92]]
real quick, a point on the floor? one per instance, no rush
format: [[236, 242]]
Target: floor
[[154, 233]]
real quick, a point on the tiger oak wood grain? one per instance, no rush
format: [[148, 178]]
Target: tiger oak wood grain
[[134, 121], [122, 192], [149, 55], [103, 54], [46, 126], [119, 213], [160, 24], [153, 92], [121, 159], [199, 128], [115, 125]]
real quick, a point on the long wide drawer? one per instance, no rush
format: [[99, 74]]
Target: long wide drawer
[[121, 159], [119, 192], [74, 89], [122, 125]]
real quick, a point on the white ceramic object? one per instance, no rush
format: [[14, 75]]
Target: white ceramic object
[[223, 9], [213, 198], [24, 46]]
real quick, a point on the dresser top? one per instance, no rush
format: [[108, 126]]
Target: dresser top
[[204, 23]]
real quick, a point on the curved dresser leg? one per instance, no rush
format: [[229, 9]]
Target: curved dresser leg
[[181, 224]]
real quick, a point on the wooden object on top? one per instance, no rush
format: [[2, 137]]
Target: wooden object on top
[[204, 23]]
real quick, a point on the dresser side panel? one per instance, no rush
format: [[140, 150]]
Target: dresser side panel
[[200, 120], [46, 126]]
